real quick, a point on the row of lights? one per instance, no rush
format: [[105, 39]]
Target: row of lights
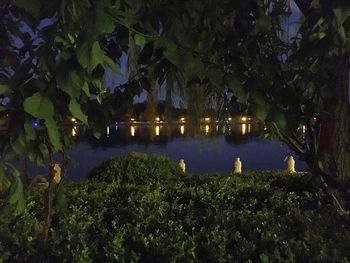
[[246, 128], [206, 119]]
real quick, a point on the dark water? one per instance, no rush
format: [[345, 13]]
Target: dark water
[[205, 149]]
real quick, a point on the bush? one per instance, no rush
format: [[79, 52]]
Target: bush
[[136, 168], [256, 217]]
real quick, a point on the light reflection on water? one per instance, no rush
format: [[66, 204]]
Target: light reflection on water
[[207, 148]]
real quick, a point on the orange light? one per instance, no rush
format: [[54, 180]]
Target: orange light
[[244, 128], [182, 129], [74, 131], [207, 129], [132, 131]]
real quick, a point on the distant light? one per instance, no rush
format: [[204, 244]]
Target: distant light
[[265, 129], [107, 131], [313, 120], [244, 118], [74, 131], [303, 127], [207, 119], [132, 131], [132, 119], [157, 119], [244, 128], [229, 119], [207, 129], [182, 119], [182, 129], [35, 124], [157, 130], [73, 119]]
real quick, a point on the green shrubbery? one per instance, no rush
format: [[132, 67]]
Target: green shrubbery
[[159, 215], [136, 168]]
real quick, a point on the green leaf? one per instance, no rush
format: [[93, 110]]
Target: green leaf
[[110, 63], [75, 109], [71, 83], [53, 133], [39, 106], [193, 67], [85, 88], [103, 23], [97, 55], [32, 7], [341, 15], [18, 144], [260, 107], [280, 120], [235, 85], [89, 56], [30, 133], [315, 4], [171, 51], [140, 40], [4, 89], [97, 133], [15, 195]]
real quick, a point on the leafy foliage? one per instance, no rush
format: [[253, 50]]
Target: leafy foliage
[[116, 217], [136, 168], [233, 52]]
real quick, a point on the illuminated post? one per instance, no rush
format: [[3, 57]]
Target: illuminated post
[[182, 165], [290, 164], [237, 166]]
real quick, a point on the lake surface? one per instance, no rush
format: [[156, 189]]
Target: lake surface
[[205, 149]]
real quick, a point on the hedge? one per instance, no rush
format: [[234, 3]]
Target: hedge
[[153, 213]]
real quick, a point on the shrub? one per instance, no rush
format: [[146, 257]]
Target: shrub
[[255, 217], [136, 168]]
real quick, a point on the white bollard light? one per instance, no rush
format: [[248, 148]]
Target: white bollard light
[[237, 166], [182, 165], [290, 164]]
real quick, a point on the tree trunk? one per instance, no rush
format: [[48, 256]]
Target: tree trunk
[[151, 107], [168, 99], [334, 137]]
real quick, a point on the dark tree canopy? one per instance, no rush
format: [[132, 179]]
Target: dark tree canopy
[[221, 47]]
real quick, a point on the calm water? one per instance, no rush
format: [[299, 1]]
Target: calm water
[[205, 149]]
